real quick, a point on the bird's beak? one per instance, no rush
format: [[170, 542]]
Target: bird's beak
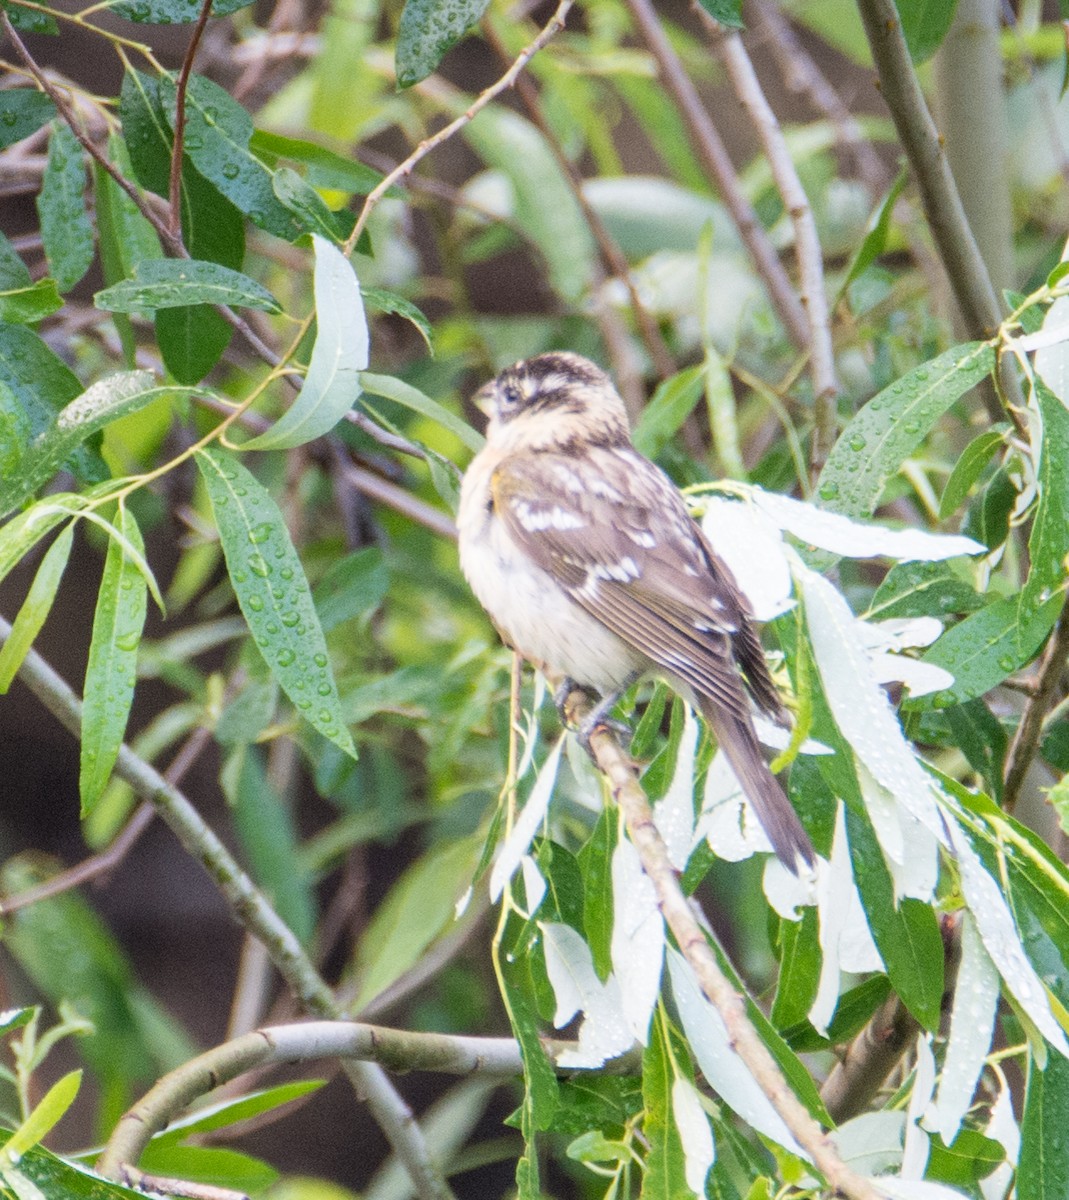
[[484, 399]]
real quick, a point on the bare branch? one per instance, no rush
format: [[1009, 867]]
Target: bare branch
[[807, 246], [628, 793], [1045, 691], [713, 153], [178, 145], [405, 168]]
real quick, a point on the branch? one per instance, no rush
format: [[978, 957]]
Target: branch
[[405, 168], [869, 1059], [395, 1049], [807, 246], [252, 911], [1026, 738], [714, 155], [628, 793], [943, 209], [67, 113], [174, 191]]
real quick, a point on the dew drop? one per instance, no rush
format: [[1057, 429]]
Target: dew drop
[[231, 170], [259, 565], [285, 657], [259, 534], [857, 442], [256, 603], [828, 491], [320, 660]]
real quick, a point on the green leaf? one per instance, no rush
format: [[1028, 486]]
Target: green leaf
[[66, 230], [233, 1112], [173, 12], [273, 593], [265, 830], [41, 384], [669, 407], [31, 303], [906, 933], [35, 608], [428, 29], [59, 1180], [969, 467], [309, 206], [799, 972], [217, 137], [210, 1165], [893, 424], [22, 111], [727, 12], [985, 648], [923, 589], [981, 737], [404, 393], [968, 1159], [595, 863], [332, 383], [111, 674], [389, 302], [1048, 543], [665, 1175], [192, 340], [875, 241], [178, 282], [325, 168], [1043, 1166], [24, 531], [418, 907], [925, 24], [30, 20], [59, 1097], [116, 396]]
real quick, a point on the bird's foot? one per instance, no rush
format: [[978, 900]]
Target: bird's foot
[[598, 718]]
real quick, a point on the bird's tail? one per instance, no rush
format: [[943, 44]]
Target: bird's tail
[[738, 740]]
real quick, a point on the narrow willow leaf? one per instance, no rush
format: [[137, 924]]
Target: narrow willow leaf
[[111, 674], [35, 607], [192, 340], [24, 531], [298, 195], [23, 111], [428, 29], [985, 648], [273, 592], [924, 26], [404, 393], [56, 1101], [1048, 543], [967, 470], [340, 353], [893, 424], [326, 168], [42, 384], [875, 241], [669, 407], [116, 396], [665, 1174], [66, 230], [34, 302], [176, 282], [173, 12], [389, 302], [727, 12], [217, 137], [1043, 1169]]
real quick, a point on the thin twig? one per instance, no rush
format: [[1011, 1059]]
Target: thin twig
[[616, 263], [628, 793], [405, 168], [401, 501], [803, 77], [67, 113], [253, 912], [174, 191], [714, 155], [807, 246], [1025, 741], [965, 268]]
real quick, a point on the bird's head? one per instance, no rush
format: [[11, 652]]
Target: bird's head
[[553, 401]]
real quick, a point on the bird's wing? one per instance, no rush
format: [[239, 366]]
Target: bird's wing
[[615, 533]]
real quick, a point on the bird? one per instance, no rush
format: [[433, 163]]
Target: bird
[[589, 564]]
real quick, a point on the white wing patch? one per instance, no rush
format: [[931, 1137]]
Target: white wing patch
[[535, 517]]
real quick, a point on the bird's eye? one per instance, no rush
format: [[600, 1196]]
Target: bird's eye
[[511, 396]]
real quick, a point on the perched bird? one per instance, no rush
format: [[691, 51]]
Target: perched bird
[[585, 557]]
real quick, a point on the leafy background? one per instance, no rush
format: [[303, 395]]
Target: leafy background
[[166, 498]]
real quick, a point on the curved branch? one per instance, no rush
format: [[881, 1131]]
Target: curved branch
[[253, 912], [628, 793]]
